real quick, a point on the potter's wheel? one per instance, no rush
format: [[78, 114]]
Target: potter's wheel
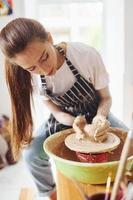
[[86, 146]]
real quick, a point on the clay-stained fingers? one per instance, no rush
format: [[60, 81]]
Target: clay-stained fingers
[[79, 133], [100, 131], [100, 121], [78, 126], [79, 121], [102, 127], [101, 138], [90, 130], [98, 118]]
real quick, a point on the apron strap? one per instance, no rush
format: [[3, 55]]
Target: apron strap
[[72, 68]]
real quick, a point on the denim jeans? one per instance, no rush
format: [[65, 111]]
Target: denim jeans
[[115, 122], [39, 165]]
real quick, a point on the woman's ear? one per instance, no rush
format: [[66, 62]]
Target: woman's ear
[[50, 39]]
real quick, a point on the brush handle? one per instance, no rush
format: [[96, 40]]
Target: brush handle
[[122, 164]]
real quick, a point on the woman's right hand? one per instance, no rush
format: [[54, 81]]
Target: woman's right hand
[[78, 126]]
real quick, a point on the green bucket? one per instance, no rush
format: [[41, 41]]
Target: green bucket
[[91, 173]]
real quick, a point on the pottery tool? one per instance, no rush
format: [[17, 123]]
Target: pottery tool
[[108, 185], [122, 164], [86, 146]]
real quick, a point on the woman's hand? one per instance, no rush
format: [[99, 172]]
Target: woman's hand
[[97, 131], [78, 126], [98, 119]]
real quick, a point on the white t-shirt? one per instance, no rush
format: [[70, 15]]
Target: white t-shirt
[[86, 60]]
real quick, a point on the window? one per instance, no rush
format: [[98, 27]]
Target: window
[[81, 21]]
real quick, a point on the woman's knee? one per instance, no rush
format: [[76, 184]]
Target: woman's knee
[[34, 153], [29, 155], [35, 149], [115, 122]]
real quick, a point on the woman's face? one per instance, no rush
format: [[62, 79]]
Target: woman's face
[[38, 57]]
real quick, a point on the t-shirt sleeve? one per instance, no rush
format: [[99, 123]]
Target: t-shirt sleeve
[[99, 74]]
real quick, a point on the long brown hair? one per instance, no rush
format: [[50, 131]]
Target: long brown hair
[[14, 38]]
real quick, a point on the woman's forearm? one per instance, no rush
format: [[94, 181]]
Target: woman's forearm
[[104, 106], [64, 118], [60, 116]]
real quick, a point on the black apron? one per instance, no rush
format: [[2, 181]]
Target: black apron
[[80, 99]]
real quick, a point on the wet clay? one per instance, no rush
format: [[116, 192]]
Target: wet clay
[[62, 151]]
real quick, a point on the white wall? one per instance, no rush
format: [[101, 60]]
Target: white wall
[[119, 54], [128, 71], [4, 97], [19, 11], [114, 50]]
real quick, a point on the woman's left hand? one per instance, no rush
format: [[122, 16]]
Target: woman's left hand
[[97, 131], [102, 126]]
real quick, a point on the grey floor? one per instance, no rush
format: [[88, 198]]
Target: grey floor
[[12, 179]]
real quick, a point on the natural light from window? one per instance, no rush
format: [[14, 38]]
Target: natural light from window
[[80, 22]]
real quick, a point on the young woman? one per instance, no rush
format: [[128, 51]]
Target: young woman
[[73, 82]]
